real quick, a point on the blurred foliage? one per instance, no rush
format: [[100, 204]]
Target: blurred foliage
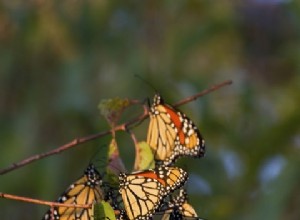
[[112, 109], [58, 59]]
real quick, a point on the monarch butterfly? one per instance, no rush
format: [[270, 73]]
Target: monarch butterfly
[[143, 191], [86, 190], [180, 208], [172, 134]]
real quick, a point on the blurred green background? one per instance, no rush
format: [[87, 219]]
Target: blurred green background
[[58, 59]]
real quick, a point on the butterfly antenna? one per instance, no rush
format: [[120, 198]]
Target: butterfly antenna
[[146, 82]]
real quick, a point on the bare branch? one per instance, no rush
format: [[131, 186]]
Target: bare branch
[[42, 202], [204, 92], [62, 148]]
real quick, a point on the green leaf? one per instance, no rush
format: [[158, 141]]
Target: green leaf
[[144, 160], [103, 210]]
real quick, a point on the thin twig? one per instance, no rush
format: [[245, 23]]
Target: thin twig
[[204, 92], [67, 146], [121, 127], [62, 148], [42, 202], [137, 150]]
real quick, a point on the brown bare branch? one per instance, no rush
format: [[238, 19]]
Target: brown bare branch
[[62, 148], [42, 202], [204, 92]]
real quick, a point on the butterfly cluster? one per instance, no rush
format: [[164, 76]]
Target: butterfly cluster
[[143, 194]]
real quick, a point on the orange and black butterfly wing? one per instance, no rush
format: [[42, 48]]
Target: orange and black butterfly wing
[[174, 177], [161, 132], [86, 190], [181, 208], [142, 193]]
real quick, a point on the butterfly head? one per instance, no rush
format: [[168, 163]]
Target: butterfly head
[[157, 100], [93, 176]]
